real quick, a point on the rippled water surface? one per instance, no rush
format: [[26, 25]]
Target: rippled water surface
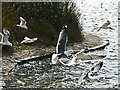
[[42, 74]]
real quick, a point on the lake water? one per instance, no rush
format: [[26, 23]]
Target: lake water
[[42, 74]]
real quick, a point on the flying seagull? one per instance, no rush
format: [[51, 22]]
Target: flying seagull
[[79, 56], [105, 26], [4, 37], [83, 56], [28, 40], [22, 23], [61, 46], [89, 76], [61, 55]]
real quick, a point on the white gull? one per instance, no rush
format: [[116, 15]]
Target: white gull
[[105, 26], [5, 37], [89, 76], [22, 23], [28, 40], [61, 55]]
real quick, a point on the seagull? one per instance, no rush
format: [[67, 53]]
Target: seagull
[[89, 76], [4, 37], [22, 23], [83, 56], [28, 40], [61, 46], [62, 56], [105, 26], [79, 56]]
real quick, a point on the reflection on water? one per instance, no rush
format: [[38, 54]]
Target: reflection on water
[[42, 74]]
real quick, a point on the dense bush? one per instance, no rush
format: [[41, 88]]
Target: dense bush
[[44, 20]]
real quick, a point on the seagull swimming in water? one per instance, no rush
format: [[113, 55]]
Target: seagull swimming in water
[[22, 23], [5, 37], [105, 26], [89, 76], [28, 40]]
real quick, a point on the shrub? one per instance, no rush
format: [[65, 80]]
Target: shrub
[[45, 20]]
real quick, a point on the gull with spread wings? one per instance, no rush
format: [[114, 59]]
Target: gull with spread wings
[[62, 57], [22, 23], [4, 37], [89, 76], [61, 46], [28, 40], [105, 26]]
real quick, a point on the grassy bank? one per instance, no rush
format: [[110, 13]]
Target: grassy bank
[[45, 20]]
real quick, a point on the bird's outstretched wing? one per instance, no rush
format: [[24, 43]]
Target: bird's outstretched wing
[[82, 56], [89, 76], [23, 21], [106, 23], [35, 39], [62, 40], [95, 69], [26, 38]]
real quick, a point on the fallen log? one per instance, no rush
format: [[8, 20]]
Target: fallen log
[[99, 47]]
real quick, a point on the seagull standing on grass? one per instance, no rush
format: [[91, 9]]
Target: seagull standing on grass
[[89, 76], [28, 40], [22, 23], [5, 37], [105, 26]]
